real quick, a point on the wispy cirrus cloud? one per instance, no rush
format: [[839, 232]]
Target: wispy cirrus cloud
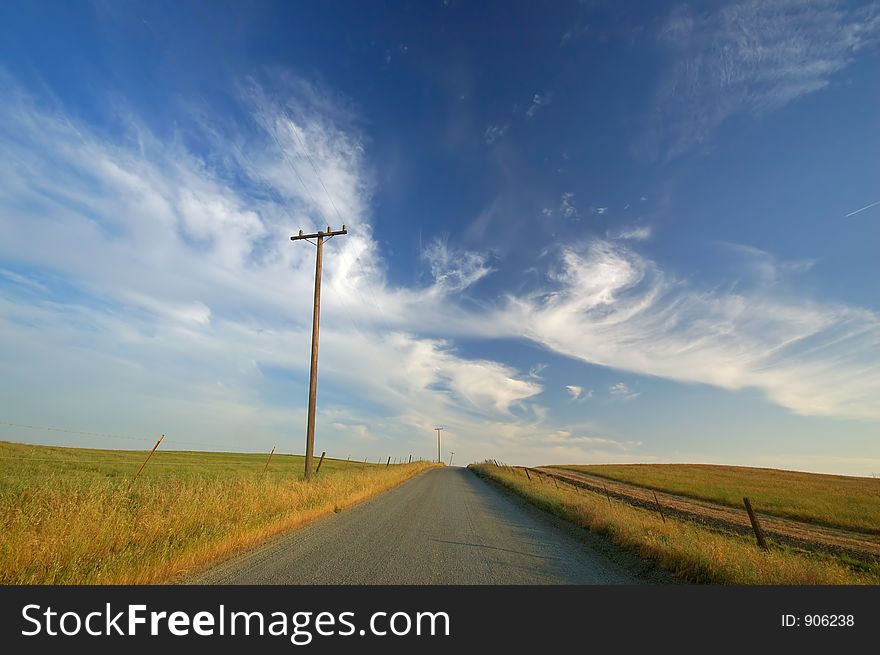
[[622, 391], [750, 57], [614, 307], [566, 205], [183, 297], [633, 233], [538, 101], [493, 133], [169, 276], [577, 392]]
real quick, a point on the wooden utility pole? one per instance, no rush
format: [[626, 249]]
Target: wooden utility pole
[[439, 458], [316, 322]]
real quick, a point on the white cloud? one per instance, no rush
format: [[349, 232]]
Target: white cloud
[[577, 392], [565, 437], [454, 271], [633, 233], [182, 287], [183, 277], [622, 391], [23, 281], [535, 371], [750, 57], [566, 206], [538, 101], [601, 210], [547, 211], [493, 133], [615, 308]]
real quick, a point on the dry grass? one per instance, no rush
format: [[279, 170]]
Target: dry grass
[[67, 516], [690, 551], [832, 500]]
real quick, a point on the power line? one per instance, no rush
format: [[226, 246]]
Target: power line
[[296, 172], [308, 155], [317, 174], [108, 435], [65, 430], [284, 208]]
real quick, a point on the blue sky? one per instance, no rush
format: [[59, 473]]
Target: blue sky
[[579, 232]]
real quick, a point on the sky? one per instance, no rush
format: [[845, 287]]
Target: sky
[[578, 232]]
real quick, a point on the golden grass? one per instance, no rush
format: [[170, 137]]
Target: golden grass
[[690, 551], [832, 500], [67, 516]]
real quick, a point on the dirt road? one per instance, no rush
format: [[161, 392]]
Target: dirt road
[[444, 527]]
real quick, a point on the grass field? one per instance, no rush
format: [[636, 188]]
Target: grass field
[[690, 551], [68, 516], [832, 500]]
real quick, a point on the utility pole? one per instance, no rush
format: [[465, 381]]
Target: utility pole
[[439, 459], [316, 322]]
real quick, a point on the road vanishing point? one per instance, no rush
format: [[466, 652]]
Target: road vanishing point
[[445, 526]]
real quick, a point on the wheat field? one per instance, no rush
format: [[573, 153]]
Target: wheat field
[[690, 551], [832, 500], [71, 516]]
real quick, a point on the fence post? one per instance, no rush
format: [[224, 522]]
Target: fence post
[[759, 533], [320, 461], [388, 462], [527, 474], [161, 436], [659, 507], [267, 462]]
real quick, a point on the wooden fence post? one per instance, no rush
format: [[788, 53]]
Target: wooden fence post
[[267, 462], [527, 474], [759, 533], [161, 436], [659, 507], [388, 462], [320, 461]]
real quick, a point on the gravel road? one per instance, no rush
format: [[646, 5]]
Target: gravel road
[[446, 526]]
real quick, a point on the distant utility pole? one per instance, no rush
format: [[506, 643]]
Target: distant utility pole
[[451, 455], [439, 459], [316, 321]]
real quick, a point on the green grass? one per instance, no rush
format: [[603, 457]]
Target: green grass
[[832, 500], [20, 464], [690, 551], [72, 516]]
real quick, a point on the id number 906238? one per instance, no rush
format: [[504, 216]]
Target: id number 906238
[[818, 621]]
